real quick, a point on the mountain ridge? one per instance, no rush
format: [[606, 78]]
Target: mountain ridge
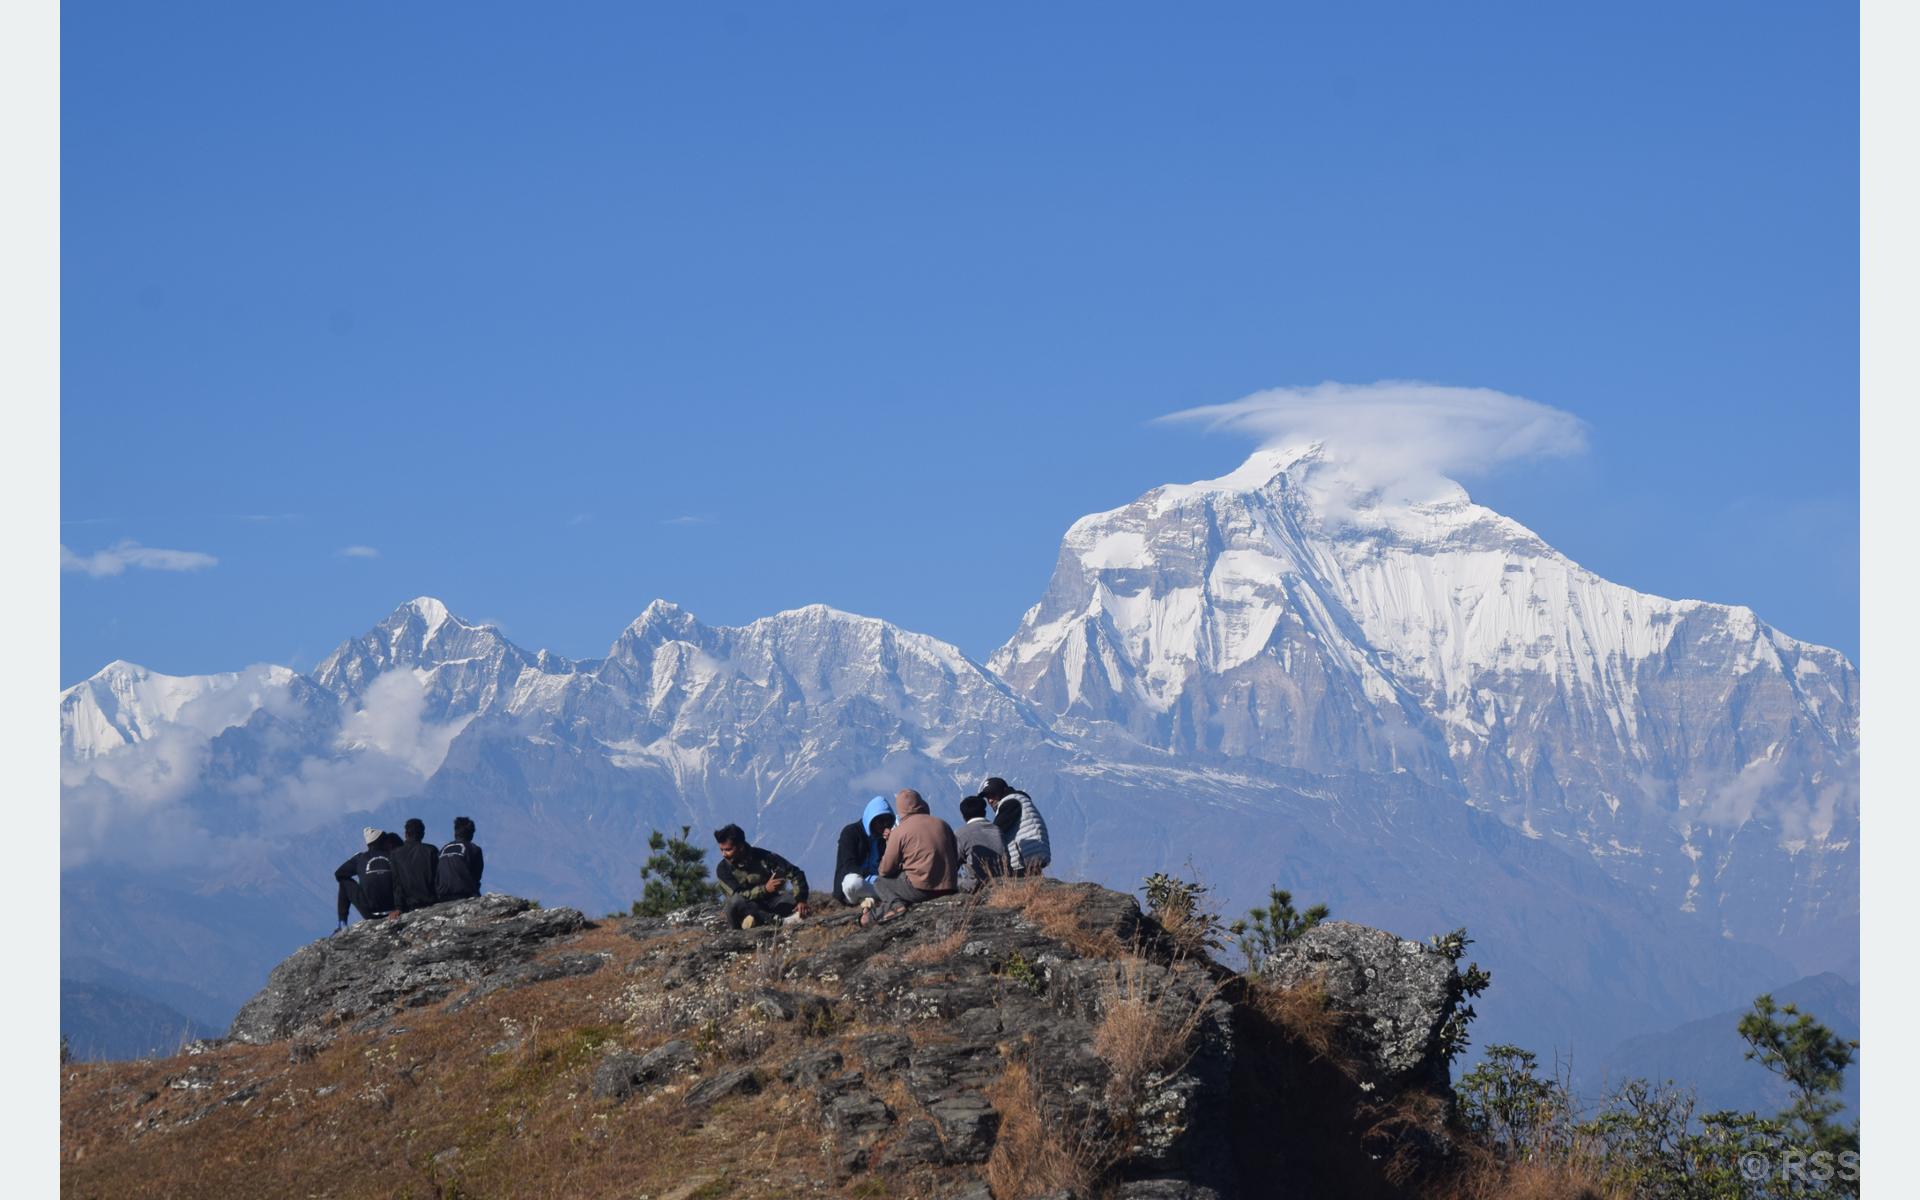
[[785, 721]]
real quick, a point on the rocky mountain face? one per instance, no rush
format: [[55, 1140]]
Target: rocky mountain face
[[1043, 1039], [1645, 811], [1284, 614]]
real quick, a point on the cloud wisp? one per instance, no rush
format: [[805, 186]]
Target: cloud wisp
[[116, 559], [690, 520], [357, 552], [1402, 437]]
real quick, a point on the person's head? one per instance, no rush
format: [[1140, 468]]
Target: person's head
[[881, 826], [416, 829], [908, 803], [369, 834], [973, 808], [732, 841], [993, 789], [463, 829]]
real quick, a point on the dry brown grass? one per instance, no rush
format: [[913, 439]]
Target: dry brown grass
[[1033, 1155], [1304, 1013], [1484, 1176], [1137, 1037], [431, 1113], [1055, 910], [944, 948]]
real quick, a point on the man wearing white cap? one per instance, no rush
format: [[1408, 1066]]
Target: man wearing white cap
[[366, 879]]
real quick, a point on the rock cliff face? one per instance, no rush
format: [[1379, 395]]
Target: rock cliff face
[[1043, 1040]]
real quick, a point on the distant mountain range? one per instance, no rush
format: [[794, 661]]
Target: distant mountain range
[[1644, 810]]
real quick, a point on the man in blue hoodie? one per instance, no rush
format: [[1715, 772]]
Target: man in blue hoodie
[[857, 861]]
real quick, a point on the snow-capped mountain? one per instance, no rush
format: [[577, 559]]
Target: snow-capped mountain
[[1286, 613], [1417, 712]]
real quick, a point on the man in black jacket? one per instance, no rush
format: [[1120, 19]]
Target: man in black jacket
[[414, 863], [857, 860], [762, 888], [457, 876], [366, 879]]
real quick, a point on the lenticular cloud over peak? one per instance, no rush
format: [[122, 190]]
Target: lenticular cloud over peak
[[1399, 436]]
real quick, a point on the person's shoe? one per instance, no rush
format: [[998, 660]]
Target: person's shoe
[[746, 922]]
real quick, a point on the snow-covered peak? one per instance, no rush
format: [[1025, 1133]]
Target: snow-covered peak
[[430, 611], [124, 703], [1397, 588]]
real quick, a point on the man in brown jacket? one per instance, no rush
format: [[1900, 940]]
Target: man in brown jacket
[[921, 859]]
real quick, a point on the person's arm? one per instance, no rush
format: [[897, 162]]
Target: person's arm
[[477, 861], [348, 869], [723, 875], [1006, 818], [433, 870], [891, 862], [794, 875]]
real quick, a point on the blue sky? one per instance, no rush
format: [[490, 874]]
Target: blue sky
[[556, 311]]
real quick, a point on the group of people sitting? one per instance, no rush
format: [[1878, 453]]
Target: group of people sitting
[[896, 855], [395, 874]]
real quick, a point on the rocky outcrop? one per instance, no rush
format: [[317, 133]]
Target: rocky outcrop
[[373, 969], [1395, 996], [1043, 1039]]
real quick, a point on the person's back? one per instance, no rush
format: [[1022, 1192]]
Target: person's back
[[921, 849], [1029, 850], [457, 873], [366, 879], [414, 865], [981, 847]]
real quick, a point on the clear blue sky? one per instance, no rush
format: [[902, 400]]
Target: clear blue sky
[[559, 309]]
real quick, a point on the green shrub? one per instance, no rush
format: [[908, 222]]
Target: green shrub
[[1267, 929], [676, 875]]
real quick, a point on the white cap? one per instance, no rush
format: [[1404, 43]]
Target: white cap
[[369, 834]]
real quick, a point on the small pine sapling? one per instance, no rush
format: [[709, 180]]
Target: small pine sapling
[[1267, 929], [676, 875]]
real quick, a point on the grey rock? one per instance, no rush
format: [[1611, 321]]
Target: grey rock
[[968, 1125], [622, 1073], [808, 1069], [918, 1143], [616, 1076], [559, 966], [668, 1059], [376, 966], [857, 1112], [1164, 1189], [881, 1053], [1394, 992], [740, 1081]]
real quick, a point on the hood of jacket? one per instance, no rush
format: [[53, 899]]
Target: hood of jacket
[[876, 807], [912, 807]]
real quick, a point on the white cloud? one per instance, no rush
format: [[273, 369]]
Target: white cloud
[[357, 552], [579, 518], [1400, 437], [689, 520], [118, 557], [159, 801]]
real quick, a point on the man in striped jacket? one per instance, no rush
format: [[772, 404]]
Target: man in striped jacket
[[1020, 823]]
